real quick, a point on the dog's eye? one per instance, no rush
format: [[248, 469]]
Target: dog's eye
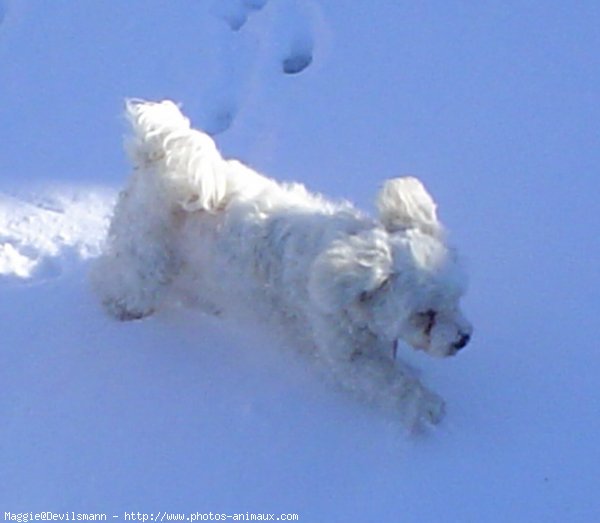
[[427, 320], [367, 295]]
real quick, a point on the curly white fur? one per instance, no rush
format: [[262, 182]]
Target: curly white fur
[[193, 223]]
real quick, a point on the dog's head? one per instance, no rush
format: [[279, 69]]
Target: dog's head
[[399, 280]]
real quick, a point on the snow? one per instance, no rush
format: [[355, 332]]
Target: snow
[[39, 229], [493, 106]]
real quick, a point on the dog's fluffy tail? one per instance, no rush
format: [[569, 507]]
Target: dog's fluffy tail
[[186, 162]]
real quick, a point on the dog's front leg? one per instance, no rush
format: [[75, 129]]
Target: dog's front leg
[[139, 260], [398, 388], [360, 364]]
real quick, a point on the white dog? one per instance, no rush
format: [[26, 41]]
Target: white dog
[[232, 240]]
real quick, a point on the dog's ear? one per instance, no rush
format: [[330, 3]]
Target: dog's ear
[[349, 269], [404, 203]]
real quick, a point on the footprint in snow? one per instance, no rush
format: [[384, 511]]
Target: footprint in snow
[[235, 13], [299, 57], [280, 38], [221, 119]]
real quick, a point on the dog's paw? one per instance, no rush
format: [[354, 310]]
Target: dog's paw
[[127, 315], [432, 409], [422, 406], [122, 313]]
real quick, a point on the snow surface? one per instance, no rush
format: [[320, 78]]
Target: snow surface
[[493, 105]]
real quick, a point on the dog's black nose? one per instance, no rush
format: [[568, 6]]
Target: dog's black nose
[[464, 339]]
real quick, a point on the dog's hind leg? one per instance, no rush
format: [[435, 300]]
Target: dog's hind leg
[[176, 170], [139, 260]]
